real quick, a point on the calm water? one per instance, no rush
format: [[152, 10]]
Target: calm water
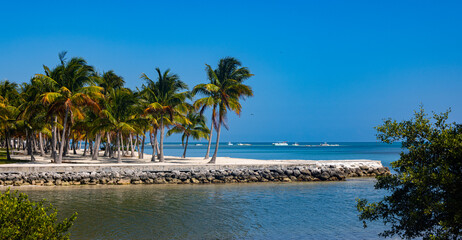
[[231, 211], [261, 150]]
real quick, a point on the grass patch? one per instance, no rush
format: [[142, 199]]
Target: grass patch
[[3, 157]]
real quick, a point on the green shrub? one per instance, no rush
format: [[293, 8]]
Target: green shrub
[[21, 218], [424, 196]]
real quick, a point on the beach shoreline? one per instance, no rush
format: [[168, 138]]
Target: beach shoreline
[[77, 170]]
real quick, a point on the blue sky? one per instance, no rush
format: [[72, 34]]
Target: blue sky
[[324, 70]]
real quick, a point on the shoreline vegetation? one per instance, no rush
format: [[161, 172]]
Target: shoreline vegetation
[[71, 107]]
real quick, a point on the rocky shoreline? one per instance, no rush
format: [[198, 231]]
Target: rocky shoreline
[[238, 174]]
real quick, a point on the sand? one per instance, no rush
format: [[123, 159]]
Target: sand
[[78, 159]]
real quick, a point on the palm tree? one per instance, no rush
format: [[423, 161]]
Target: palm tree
[[117, 115], [226, 88], [164, 98], [33, 114], [71, 77], [8, 110], [108, 82], [194, 128], [211, 92]]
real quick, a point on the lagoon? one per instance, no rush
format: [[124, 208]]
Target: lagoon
[[306, 210]]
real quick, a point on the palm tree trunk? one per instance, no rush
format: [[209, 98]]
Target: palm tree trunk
[[156, 144], [153, 145], [61, 146], [106, 151], [119, 157], [96, 150], [29, 146], [8, 157], [74, 146], [141, 154], [161, 145], [108, 145], [85, 148], [67, 141], [131, 145], [42, 152], [210, 141], [185, 147], [53, 138], [137, 144], [122, 143], [33, 142], [214, 157]]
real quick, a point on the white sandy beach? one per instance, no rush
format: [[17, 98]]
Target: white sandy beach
[[173, 160]]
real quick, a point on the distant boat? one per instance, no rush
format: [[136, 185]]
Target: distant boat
[[230, 144], [198, 144], [295, 144], [325, 144], [280, 144], [244, 144]]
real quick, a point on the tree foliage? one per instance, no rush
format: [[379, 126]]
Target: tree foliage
[[21, 218], [426, 192]]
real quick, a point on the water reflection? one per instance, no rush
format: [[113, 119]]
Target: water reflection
[[231, 211]]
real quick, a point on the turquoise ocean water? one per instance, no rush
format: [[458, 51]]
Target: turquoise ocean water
[[323, 210]]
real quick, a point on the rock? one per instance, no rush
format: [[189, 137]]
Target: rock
[[297, 172], [136, 182], [174, 181], [160, 180], [18, 182], [286, 179], [315, 172], [253, 179], [324, 176], [49, 184], [194, 180], [124, 181]]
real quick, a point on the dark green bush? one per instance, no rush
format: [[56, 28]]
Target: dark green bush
[[21, 218]]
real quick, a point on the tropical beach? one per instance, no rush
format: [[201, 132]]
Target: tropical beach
[[230, 120]]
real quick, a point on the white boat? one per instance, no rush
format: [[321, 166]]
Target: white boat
[[230, 144], [280, 144], [198, 144], [295, 144], [244, 144], [325, 144]]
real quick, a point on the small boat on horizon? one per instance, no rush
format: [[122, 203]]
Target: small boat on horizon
[[199, 144], [281, 143], [230, 144], [244, 144], [295, 144], [325, 144]]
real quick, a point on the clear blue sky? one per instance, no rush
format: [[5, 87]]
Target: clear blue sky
[[324, 70]]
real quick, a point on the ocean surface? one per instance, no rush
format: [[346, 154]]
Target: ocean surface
[[321, 210]]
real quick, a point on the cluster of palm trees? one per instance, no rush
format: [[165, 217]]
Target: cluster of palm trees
[[73, 105]]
